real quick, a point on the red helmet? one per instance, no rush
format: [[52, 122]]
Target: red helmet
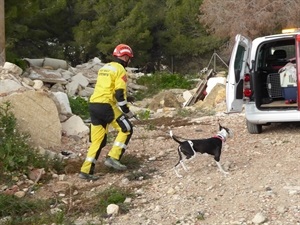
[[123, 49]]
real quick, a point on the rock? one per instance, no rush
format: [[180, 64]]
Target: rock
[[45, 75], [112, 209], [38, 84], [75, 126], [8, 86], [164, 99], [37, 115], [259, 218], [13, 68], [36, 174], [20, 194], [62, 103], [27, 81]]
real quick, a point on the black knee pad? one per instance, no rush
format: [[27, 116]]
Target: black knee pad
[[124, 123]]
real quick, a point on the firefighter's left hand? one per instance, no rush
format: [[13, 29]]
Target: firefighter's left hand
[[129, 115], [130, 99]]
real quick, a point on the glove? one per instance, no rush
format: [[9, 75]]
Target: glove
[[130, 99], [129, 115]]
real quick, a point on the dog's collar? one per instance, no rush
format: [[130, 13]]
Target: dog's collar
[[222, 138]]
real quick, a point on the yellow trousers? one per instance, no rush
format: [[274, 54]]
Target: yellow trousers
[[98, 135]]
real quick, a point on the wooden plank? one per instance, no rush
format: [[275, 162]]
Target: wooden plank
[[201, 86]]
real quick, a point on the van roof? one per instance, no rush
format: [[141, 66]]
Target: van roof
[[274, 36]]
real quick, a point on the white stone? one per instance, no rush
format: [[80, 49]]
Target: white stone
[[55, 210], [13, 68], [86, 92], [75, 126], [63, 101], [62, 177], [38, 84], [259, 218], [27, 81], [128, 200], [112, 209], [187, 95], [72, 87], [66, 74], [7, 86], [80, 79]]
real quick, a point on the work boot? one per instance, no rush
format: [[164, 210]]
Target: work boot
[[113, 163], [86, 176]]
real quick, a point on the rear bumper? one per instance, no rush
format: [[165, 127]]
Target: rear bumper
[[257, 116]]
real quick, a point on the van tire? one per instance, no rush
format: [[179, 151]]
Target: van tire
[[253, 128]]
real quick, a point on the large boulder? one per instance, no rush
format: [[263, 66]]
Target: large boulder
[[36, 114]]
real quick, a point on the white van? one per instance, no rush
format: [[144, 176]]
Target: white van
[[263, 79]]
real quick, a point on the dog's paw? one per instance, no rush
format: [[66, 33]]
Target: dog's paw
[[177, 174], [225, 173]]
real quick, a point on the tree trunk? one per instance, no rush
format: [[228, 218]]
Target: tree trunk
[[2, 33]]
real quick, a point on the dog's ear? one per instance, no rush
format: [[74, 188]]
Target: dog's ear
[[220, 127]]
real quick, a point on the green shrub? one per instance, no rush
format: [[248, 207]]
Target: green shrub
[[161, 81], [16, 154], [79, 107], [143, 114], [13, 206], [26, 211]]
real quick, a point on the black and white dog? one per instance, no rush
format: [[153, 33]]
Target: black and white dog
[[211, 146]]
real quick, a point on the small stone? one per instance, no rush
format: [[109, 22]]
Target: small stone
[[62, 177], [152, 158], [128, 200], [259, 218], [20, 194], [112, 209]]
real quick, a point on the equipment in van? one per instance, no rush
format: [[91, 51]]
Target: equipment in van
[[288, 78]]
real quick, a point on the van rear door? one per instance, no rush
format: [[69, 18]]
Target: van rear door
[[235, 78], [298, 67]]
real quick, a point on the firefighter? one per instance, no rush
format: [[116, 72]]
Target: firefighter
[[108, 106]]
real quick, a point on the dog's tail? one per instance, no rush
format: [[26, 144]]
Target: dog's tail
[[174, 137]]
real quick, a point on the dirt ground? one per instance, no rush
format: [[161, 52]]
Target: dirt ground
[[263, 185]]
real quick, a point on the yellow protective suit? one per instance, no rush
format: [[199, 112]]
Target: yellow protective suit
[[107, 106]]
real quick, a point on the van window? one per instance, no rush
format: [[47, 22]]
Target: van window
[[238, 63], [289, 49], [275, 54]]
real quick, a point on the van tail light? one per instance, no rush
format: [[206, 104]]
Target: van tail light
[[247, 77], [247, 92]]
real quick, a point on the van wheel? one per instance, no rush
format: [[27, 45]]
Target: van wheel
[[254, 128]]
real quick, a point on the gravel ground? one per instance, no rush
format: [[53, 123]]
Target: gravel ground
[[263, 186]]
